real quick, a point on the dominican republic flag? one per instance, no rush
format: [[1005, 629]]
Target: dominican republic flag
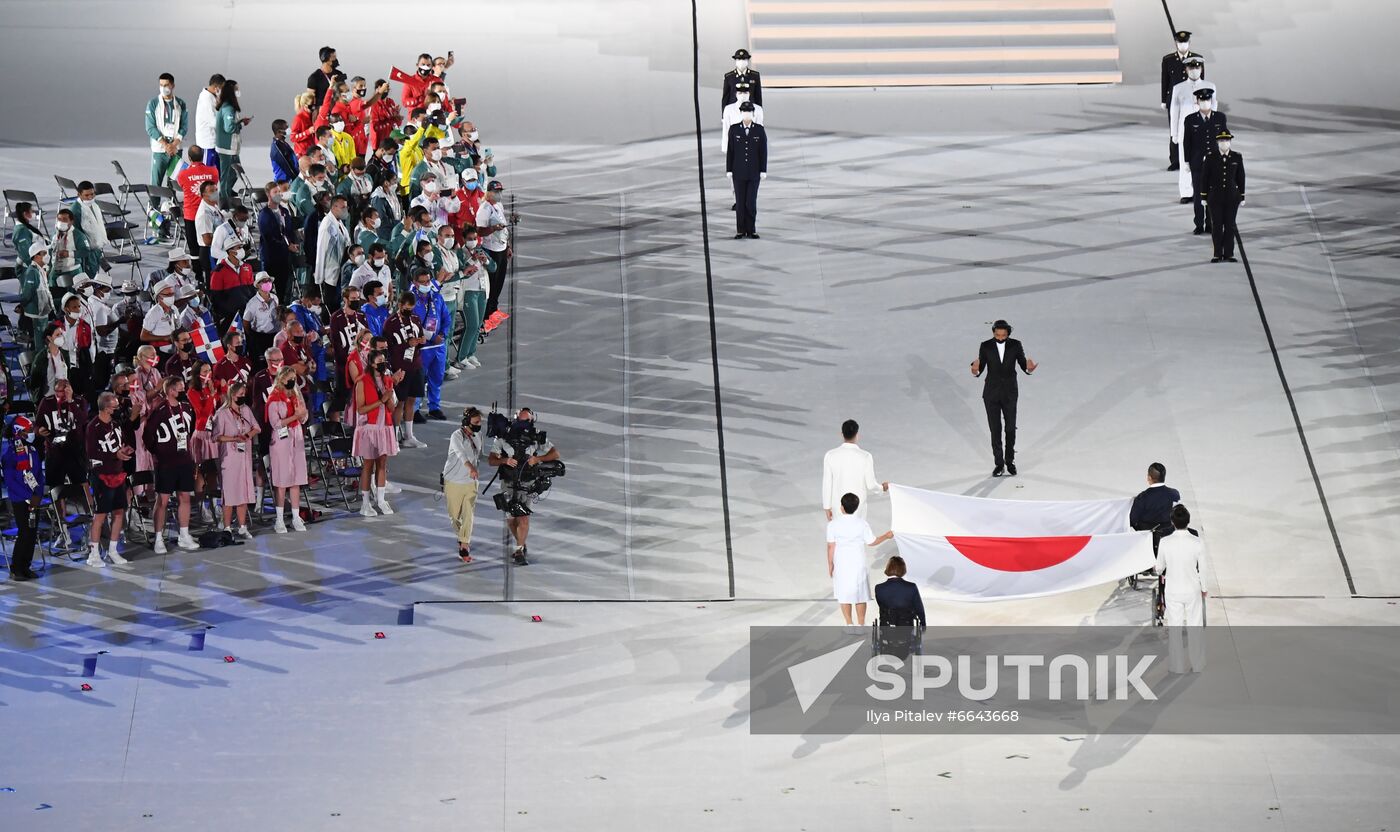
[[206, 339], [976, 549]]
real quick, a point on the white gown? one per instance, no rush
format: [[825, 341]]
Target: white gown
[[850, 580]]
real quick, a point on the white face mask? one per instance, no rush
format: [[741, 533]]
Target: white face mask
[[315, 310], [1193, 73], [359, 259], [473, 135], [374, 223], [449, 243], [748, 117], [433, 108], [437, 155], [430, 189], [1224, 145], [62, 226], [379, 262], [166, 92], [238, 93], [1184, 47], [1205, 105], [741, 64], [177, 269]]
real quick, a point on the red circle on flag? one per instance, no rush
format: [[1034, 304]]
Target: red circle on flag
[[1018, 554]]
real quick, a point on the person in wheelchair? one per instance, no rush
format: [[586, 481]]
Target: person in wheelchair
[[900, 607]]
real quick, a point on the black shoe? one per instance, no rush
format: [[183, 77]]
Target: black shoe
[[1174, 166], [741, 235], [418, 418], [1216, 259], [753, 235], [1185, 200], [998, 471], [733, 206], [1011, 468], [1199, 231], [437, 415], [519, 556], [1231, 260], [21, 576], [464, 555]]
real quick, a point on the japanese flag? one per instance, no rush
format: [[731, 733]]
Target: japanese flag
[[978, 549]]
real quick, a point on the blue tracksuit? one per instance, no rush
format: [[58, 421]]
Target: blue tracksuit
[[17, 485], [312, 324], [432, 311]]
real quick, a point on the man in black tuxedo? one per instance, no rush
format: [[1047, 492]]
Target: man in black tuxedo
[[999, 356], [746, 164]]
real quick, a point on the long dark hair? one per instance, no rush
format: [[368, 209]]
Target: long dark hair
[[228, 95], [375, 377], [21, 208]]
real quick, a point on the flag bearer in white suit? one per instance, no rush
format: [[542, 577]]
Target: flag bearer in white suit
[[848, 469], [1182, 557], [1184, 104]]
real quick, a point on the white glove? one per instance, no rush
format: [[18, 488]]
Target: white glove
[[762, 176], [1164, 106]]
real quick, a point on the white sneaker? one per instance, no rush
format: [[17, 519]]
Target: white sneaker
[[390, 488], [95, 559], [297, 524], [159, 545], [473, 362], [184, 541], [461, 365], [280, 526], [116, 558], [451, 373], [413, 442], [367, 509], [384, 507], [244, 533]]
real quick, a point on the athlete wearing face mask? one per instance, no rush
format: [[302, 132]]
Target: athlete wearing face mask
[[1173, 73], [167, 123], [741, 73], [732, 114]]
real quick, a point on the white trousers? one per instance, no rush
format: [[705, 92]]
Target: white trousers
[[1186, 647]]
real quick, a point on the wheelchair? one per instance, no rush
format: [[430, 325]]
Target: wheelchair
[[900, 636]]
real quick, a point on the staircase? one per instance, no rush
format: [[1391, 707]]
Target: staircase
[[884, 43]]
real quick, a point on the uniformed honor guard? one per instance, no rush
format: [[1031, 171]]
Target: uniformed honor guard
[[741, 73], [746, 164], [1223, 192], [1198, 132], [732, 116], [1173, 73], [1183, 105]]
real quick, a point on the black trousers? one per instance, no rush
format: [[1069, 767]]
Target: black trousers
[[746, 204], [1198, 205], [1171, 145], [199, 254], [999, 408], [1222, 226], [498, 279], [27, 528]]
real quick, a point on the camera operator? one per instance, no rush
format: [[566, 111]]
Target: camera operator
[[517, 453]]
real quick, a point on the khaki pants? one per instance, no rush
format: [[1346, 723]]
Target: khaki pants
[[461, 509]]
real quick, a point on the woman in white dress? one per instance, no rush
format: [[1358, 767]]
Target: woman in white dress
[[846, 539]]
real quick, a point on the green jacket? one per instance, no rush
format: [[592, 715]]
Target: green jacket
[[227, 129], [367, 238], [302, 202], [89, 259], [156, 105], [22, 238], [29, 296]]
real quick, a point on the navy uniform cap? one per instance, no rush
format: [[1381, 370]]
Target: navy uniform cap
[[1183, 36], [746, 107], [1203, 93], [741, 54]]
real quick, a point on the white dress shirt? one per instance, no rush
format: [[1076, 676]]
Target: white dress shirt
[[205, 114], [848, 469], [1001, 351]]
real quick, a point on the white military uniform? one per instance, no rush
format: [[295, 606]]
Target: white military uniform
[[1182, 556], [733, 116], [848, 469], [1183, 105]]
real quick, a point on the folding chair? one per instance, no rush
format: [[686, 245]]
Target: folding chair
[[140, 510], [13, 198], [128, 252], [65, 186], [344, 465], [114, 217], [173, 215], [61, 538]]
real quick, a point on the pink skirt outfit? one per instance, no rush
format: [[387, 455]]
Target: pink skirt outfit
[[286, 457], [235, 468]]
